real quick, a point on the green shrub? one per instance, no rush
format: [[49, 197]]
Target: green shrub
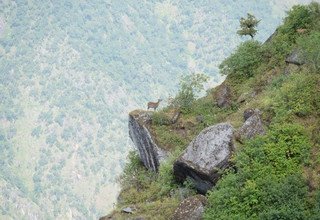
[[299, 17], [190, 86], [277, 50], [316, 206], [311, 50], [268, 183], [244, 61], [160, 118], [299, 95], [134, 174], [155, 195]]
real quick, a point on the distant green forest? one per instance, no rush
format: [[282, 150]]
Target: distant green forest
[[71, 70]]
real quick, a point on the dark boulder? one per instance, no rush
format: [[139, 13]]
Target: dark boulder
[[252, 126], [191, 208], [205, 156]]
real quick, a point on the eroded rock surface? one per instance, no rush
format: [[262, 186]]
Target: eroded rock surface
[[191, 208], [150, 153], [223, 96], [208, 153], [252, 126]]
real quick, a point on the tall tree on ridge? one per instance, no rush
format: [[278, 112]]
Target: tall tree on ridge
[[248, 26]]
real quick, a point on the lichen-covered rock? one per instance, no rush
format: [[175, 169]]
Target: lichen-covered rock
[[295, 57], [191, 208], [208, 153], [252, 126], [150, 153], [223, 96]]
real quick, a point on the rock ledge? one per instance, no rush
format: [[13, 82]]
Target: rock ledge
[[150, 153]]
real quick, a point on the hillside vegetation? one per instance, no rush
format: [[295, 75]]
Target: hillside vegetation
[[274, 176]]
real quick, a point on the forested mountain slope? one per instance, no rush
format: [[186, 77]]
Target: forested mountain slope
[[71, 70]]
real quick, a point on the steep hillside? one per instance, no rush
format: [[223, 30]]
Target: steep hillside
[[274, 170], [71, 70]]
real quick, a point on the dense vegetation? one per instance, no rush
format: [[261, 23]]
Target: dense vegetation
[[275, 176]]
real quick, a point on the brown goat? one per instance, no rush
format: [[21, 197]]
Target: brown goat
[[301, 31], [154, 105]]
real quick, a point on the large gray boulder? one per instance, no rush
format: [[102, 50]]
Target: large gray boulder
[[252, 126], [191, 208], [205, 156], [139, 131], [295, 57]]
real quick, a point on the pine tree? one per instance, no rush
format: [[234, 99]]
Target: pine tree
[[248, 26]]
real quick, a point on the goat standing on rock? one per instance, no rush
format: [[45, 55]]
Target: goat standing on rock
[[154, 105]]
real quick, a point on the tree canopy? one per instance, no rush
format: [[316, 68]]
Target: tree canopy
[[248, 26]]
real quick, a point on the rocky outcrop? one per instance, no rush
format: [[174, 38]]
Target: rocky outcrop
[[150, 153], [252, 126], [191, 208], [295, 57], [207, 154], [223, 96]]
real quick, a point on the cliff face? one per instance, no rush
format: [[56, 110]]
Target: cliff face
[[150, 153]]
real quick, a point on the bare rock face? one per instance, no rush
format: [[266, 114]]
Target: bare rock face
[[150, 153], [191, 208], [223, 96], [295, 57], [208, 153], [252, 126]]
